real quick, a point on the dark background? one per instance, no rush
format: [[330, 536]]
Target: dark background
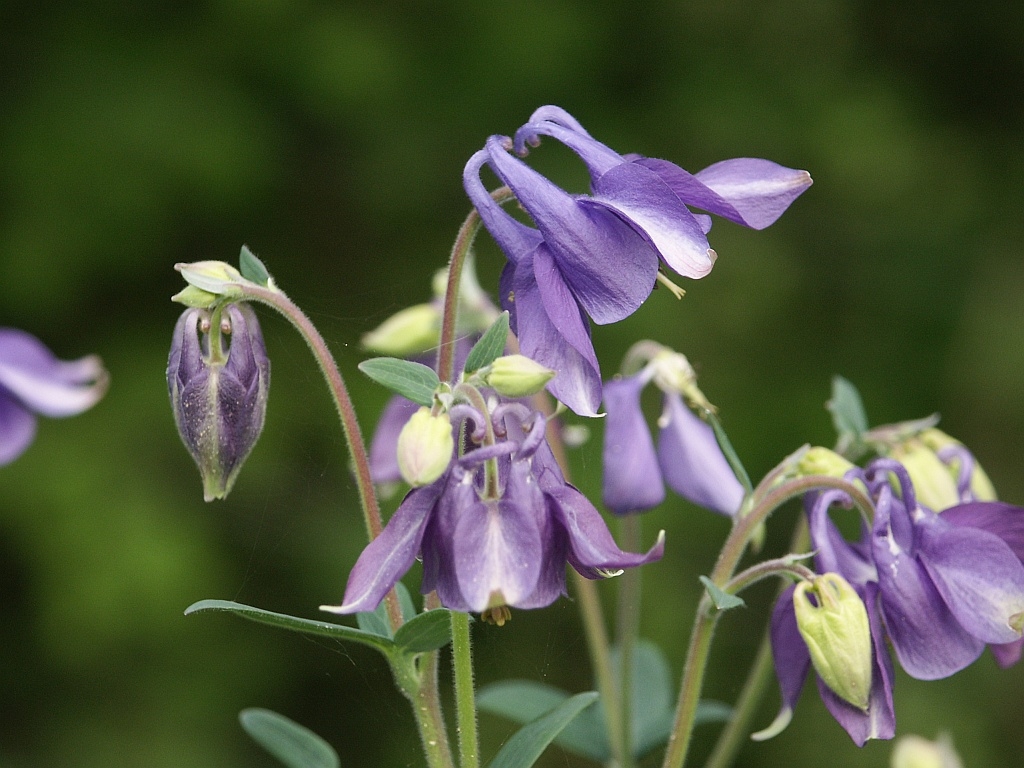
[[331, 139]]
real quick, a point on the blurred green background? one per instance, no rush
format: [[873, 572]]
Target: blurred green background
[[331, 138]]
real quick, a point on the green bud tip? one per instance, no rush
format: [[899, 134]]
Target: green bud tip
[[833, 622], [517, 376], [410, 332], [822, 461]]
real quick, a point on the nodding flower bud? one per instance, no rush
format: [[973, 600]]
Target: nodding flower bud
[[411, 331], [425, 447], [218, 378], [833, 622], [934, 482], [961, 462], [517, 376], [822, 461]]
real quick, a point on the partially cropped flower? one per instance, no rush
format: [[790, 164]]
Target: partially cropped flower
[[218, 379], [688, 458], [489, 543], [597, 256], [34, 382]]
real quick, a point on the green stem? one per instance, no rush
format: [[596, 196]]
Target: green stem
[[460, 251], [465, 701], [346, 412], [758, 678], [415, 683], [767, 500], [627, 631]]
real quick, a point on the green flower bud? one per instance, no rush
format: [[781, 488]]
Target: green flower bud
[[934, 481], [981, 486], [517, 376], [425, 447], [822, 461], [407, 333], [833, 622], [216, 277], [916, 752]]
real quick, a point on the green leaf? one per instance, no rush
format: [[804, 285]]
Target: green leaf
[[523, 749], [295, 624], [723, 600], [729, 452], [378, 623], [427, 632], [415, 381], [294, 745], [252, 268], [491, 345], [523, 701], [653, 703], [848, 415]]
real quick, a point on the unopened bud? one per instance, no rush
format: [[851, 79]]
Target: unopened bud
[[916, 752], [517, 376], [822, 461], [980, 485], [425, 447], [218, 391], [216, 277], [934, 481], [833, 622], [410, 332]]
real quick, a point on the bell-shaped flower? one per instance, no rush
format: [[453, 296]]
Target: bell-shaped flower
[[218, 379], [688, 457], [946, 590], [34, 382], [597, 256], [487, 547]]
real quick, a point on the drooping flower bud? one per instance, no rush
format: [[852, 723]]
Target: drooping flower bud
[[934, 482], [218, 378], [913, 751], [954, 453], [517, 376], [425, 447], [833, 622], [822, 461], [411, 331]]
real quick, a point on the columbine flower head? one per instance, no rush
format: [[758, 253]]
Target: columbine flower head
[[218, 377], [688, 457], [33, 381], [597, 256], [940, 586], [497, 529]]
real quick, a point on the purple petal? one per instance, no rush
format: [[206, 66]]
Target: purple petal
[[632, 480], [571, 354], [978, 575], [598, 158], [656, 213], [610, 269], [17, 429], [929, 642], [512, 236], [834, 553], [1004, 520], [759, 190], [1007, 654], [498, 553], [592, 551], [552, 114], [879, 721], [692, 462], [386, 558], [44, 384], [384, 446], [789, 651]]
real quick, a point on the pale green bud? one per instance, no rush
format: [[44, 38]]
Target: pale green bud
[[934, 481], [673, 373], [822, 461], [425, 447], [194, 297], [412, 331], [981, 486], [216, 277], [517, 376], [833, 622], [916, 752]]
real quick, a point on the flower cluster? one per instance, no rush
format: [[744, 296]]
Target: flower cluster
[[496, 529], [939, 585], [33, 381]]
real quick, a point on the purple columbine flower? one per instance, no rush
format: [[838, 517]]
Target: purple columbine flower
[[598, 255], [33, 381], [688, 458], [218, 391], [484, 548]]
